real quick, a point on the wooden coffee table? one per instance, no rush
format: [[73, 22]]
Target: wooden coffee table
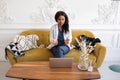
[[41, 70]]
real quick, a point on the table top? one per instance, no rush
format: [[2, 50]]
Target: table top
[[41, 70]]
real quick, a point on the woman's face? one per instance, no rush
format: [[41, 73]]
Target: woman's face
[[61, 21]]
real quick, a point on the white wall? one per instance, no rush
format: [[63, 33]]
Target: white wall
[[99, 16]]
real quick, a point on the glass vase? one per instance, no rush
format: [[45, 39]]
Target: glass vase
[[83, 62]]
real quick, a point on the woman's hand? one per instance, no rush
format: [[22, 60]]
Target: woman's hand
[[55, 42], [67, 41]]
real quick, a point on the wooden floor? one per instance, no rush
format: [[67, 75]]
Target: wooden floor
[[106, 73]]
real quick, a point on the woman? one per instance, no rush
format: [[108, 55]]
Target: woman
[[60, 35]]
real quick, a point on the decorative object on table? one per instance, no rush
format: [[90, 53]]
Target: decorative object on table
[[90, 68], [85, 45]]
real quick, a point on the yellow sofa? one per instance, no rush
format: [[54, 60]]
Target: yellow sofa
[[43, 54]]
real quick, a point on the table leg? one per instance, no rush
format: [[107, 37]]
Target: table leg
[[25, 79]]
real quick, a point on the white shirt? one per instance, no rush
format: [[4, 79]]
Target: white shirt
[[54, 35]]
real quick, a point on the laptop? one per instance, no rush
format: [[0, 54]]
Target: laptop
[[60, 62]]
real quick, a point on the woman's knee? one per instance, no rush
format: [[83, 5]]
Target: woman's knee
[[64, 49]]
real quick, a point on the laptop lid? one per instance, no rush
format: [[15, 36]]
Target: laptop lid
[[60, 62]]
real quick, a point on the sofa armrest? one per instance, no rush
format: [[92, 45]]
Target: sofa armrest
[[10, 56], [100, 52]]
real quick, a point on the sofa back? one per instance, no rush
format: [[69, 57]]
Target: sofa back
[[44, 35]]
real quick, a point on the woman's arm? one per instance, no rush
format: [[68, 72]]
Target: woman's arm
[[68, 38], [70, 35], [53, 39], [51, 35]]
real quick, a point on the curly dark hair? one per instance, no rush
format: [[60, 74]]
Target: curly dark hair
[[65, 27]]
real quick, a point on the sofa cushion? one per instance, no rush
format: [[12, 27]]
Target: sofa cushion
[[43, 54], [76, 55], [36, 54]]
